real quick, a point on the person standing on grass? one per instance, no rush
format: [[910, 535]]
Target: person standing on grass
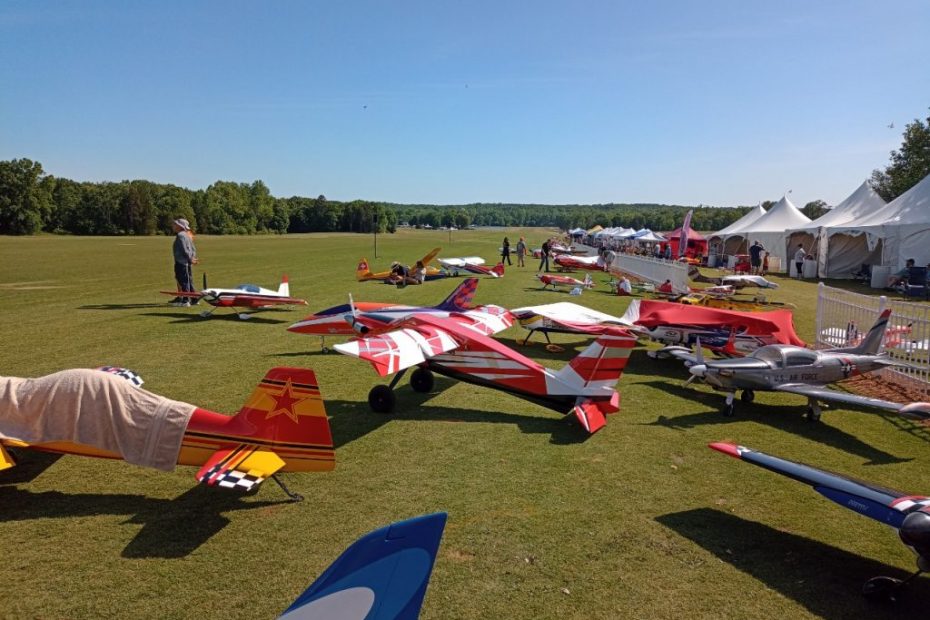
[[799, 260], [185, 256], [755, 257], [544, 260], [521, 252], [505, 252]]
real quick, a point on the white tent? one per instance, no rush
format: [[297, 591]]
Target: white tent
[[716, 241], [772, 229], [894, 233], [815, 235]]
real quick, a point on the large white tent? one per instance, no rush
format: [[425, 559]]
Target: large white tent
[[815, 235], [772, 230], [716, 242], [888, 236]]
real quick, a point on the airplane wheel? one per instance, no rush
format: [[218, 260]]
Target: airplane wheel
[[421, 380], [747, 396], [881, 589], [381, 399], [729, 410], [324, 350], [812, 415]]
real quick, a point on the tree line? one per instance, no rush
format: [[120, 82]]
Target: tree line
[[32, 201]]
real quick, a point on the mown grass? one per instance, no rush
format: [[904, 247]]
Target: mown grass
[[641, 520]]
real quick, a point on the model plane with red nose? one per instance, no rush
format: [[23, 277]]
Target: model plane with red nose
[[569, 262], [457, 347], [282, 427], [555, 281], [242, 296], [471, 264]]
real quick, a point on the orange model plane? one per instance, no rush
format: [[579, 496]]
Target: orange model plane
[[363, 271], [282, 427]]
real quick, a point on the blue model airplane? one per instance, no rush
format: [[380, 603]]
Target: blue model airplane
[[382, 576], [908, 514]]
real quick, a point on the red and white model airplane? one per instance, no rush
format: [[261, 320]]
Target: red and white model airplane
[[282, 427], [242, 296], [556, 281], [459, 348], [566, 318], [568, 262], [471, 264]]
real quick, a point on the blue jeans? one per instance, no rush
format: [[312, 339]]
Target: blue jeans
[[182, 273]]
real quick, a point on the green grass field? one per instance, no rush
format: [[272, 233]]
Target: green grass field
[[641, 520]]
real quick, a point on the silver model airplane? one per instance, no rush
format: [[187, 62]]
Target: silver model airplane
[[788, 368]]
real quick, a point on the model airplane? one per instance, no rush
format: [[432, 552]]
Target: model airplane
[[339, 320], [363, 272], [282, 427], [242, 296], [565, 318], [457, 347], [726, 332], [908, 514], [381, 576], [471, 264], [796, 370], [568, 262], [736, 281], [555, 281]]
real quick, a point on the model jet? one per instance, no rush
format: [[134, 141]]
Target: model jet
[[908, 514], [471, 264], [282, 427], [796, 370], [459, 348], [569, 262], [565, 318], [363, 272], [242, 296], [381, 576], [550, 279], [333, 321]]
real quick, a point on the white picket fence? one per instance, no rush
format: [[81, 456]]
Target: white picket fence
[[844, 318]]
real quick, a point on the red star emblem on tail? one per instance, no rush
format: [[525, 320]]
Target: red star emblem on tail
[[284, 403]]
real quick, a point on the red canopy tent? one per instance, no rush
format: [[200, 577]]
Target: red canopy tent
[[697, 244]]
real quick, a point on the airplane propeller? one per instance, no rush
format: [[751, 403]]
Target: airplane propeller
[[699, 368]]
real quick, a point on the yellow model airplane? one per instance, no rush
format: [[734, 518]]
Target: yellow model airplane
[[363, 271]]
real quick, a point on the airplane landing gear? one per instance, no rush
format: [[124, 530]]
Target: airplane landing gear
[[729, 408], [882, 589], [421, 380], [294, 497], [813, 411], [747, 396], [381, 399]]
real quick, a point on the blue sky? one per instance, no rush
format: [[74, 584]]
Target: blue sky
[[723, 103]]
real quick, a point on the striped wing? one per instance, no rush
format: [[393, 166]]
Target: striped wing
[[395, 350]]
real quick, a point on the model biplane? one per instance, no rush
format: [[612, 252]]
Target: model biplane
[[341, 320], [459, 347], [906, 513], [242, 296], [363, 272], [797, 370], [282, 427], [381, 576], [556, 281], [470, 264]]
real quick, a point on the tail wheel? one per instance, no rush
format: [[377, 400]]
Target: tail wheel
[[381, 399], [747, 396], [813, 413], [421, 380]]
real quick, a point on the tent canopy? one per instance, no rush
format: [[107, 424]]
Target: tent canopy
[[697, 244], [772, 228], [740, 224]]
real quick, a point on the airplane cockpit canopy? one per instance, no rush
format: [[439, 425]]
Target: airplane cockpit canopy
[[800, 357], [770, 354], [249, 288], [782, 356]]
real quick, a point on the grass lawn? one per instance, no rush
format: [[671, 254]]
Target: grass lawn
[[641, 520]]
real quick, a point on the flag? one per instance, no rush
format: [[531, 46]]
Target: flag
[[683, 237]]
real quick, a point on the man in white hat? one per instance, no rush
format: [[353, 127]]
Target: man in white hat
[[185, 255]]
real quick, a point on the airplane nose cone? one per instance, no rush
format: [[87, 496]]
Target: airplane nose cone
[[698, 370]]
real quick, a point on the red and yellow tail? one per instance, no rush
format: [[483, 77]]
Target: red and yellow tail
[[363, 270]]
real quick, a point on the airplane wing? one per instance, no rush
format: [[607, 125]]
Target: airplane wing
[[569, 316], [409, 344], [822, 393], [258, 301], [243, 467], [884, 505], [381, 576], [487, 320], [678, 352]]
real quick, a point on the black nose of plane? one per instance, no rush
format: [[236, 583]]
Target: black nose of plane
[[915, 531]]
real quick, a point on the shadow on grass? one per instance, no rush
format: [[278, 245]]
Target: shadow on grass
[[785, 418], [824, 579], [351, 420], [194, 317], [170, 528], [29, 465], [119, 306]]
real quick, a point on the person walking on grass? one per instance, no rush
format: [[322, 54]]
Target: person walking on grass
[[521, 252], [185, 257], [799, 261], [544, 260], [505, 252]]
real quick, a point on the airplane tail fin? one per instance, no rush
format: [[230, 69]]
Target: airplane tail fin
[[873, 340], [363, 269], [285, 288], [429, 257], [601, 363], [385, 573], [286, 411], [498, 270], [460, 298]]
